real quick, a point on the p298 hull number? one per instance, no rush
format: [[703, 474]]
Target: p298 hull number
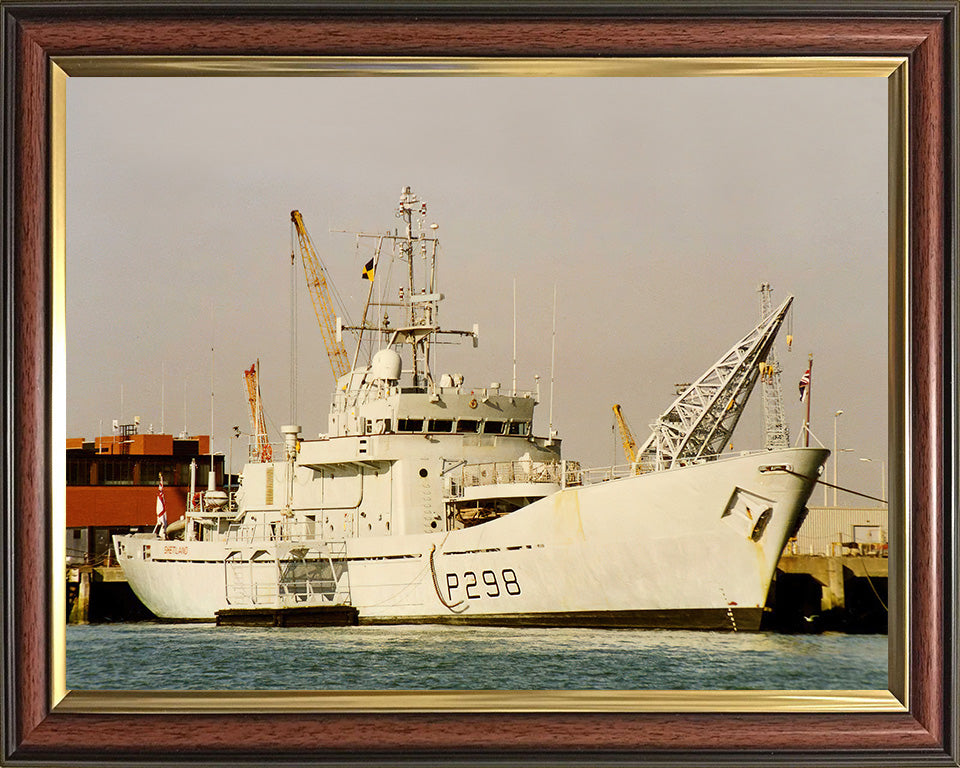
[[488, 584]]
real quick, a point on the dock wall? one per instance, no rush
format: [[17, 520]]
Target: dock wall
[[102, 594], [817, 593]]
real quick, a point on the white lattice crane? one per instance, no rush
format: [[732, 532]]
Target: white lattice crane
[[698, 424]]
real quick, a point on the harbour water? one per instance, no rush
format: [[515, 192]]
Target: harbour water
[[157, 656]]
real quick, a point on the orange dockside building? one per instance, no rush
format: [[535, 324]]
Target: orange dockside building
[[112, 486]]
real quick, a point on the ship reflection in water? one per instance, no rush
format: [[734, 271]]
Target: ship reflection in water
[[153, 656]]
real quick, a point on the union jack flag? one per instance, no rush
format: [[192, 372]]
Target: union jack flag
[[161, 508], [804, 385]]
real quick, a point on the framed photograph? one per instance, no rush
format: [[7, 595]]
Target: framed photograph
[[904, 50]]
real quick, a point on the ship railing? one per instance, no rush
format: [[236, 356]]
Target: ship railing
[[505, 472], [288, 592], [290, 530], [259, 454], [574, 475], [253, 594], [565, 474], [590, 476], [341, 400], [308, 592]]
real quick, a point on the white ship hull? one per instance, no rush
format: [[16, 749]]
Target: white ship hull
[[428, 500], [678, 548]]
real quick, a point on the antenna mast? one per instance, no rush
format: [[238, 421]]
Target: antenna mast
[[514, 335], [405, 212], [293, 330], [553, 356], [418, 303]]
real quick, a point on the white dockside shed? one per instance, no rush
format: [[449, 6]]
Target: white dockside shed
[[833, 531]]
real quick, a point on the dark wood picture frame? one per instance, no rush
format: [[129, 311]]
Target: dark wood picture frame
[[35, 33]]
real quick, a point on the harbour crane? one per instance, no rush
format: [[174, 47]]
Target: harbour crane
[[700, 421], [629, 444], [261, 447], [320, 294], [775, 430]]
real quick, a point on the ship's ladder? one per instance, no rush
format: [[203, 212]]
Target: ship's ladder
[[288, 574]]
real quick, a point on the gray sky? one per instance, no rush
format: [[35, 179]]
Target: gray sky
[[655, 205]]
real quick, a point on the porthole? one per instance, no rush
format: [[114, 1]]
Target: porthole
[[423, 472]]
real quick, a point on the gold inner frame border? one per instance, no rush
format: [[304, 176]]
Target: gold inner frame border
[[894, 69]]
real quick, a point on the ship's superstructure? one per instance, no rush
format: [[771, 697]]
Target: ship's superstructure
[[428, 499]]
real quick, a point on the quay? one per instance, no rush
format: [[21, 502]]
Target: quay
[[100, 593], [833, 575], [819, 593]]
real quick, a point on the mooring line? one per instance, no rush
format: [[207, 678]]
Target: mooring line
[[870, 582], [831, 485], [855, 493]]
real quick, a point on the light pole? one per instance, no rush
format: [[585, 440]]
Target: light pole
[[836, 455], [883, 475]]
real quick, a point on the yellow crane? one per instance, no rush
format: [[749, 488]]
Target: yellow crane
[[629, 444], [322, 302]]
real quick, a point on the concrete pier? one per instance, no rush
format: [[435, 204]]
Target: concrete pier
[[101, 593], [814, 593], [80, 609]]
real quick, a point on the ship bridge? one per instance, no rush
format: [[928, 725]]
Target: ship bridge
[[437, 410]]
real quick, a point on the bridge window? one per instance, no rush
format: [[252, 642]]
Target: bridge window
[[518, 428], [468, 425], [409, 425], [493, 428], [440, 425]]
